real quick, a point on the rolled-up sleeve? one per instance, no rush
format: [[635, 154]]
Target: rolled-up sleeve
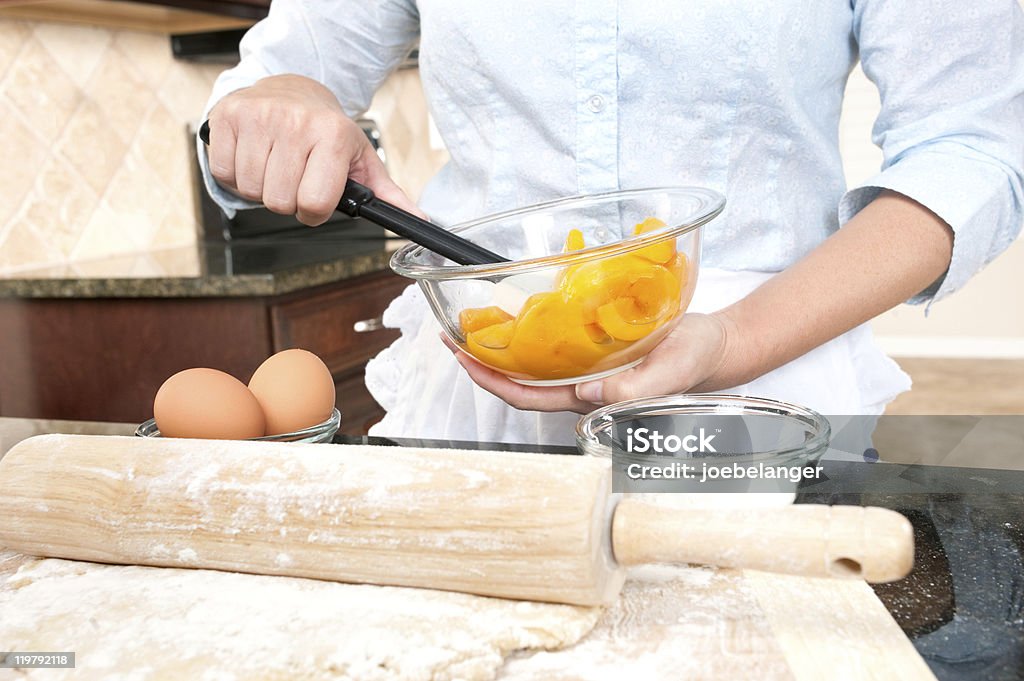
[[351, 46], [951, 79]]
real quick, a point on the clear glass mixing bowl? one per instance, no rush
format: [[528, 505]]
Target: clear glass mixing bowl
[[594, 282], [748, 431], [321, 432], [775, 431]]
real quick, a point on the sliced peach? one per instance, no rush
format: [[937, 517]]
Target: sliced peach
[[679, 267], [551, 341], [490, 345], [574, 241], [622, 319], [597, 334], [475, 318], [654, 295], [648, 225], [595, 283], [496, 336], [660, 252]]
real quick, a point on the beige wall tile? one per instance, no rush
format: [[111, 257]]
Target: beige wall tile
[[90, 146], [121, 95], [149, 55], [178, 262], [178, 228], [77, 50], [115, 176], [186, 88], [96, 120], [44, 272], [146, 266], [107, 233], [110, 266], [138, 196], [22, 247], [60, 204], [24, 155], [40, 90], [162, 141], [13, 35]]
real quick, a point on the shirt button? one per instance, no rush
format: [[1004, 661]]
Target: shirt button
[[596, 103]]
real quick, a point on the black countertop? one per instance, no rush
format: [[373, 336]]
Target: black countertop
[[963, 605]]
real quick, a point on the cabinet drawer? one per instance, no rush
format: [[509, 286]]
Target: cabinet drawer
[[323, 323]]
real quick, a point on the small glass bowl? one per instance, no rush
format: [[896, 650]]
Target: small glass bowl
[[643, 281], [322, 432], [769, 432]]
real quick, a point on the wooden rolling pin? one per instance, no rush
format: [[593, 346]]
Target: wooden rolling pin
[[528, 526]]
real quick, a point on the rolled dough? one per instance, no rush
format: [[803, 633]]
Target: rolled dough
[[157, 623]]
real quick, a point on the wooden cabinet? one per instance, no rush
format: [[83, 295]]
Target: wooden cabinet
[[326, 323], [249, 9], [104, 359], [173, 16]]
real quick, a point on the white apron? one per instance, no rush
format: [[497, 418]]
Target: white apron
[[428, 395]]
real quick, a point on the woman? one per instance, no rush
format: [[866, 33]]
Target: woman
[[542, 100]]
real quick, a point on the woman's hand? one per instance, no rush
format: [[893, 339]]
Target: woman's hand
[[285, 141], [700, 354]]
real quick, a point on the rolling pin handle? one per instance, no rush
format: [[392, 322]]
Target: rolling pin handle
[[874, 544]]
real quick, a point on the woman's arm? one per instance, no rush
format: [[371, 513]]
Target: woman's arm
[[280, 128], [891, 250]]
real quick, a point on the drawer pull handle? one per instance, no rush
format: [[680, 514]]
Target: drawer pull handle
[[367, 325]]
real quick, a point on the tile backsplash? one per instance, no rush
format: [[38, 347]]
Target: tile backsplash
[[94, 128]]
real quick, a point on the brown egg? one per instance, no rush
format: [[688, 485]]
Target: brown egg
[[295, 389], [206, 403]]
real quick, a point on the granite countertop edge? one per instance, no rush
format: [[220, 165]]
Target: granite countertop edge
[[204, 286]]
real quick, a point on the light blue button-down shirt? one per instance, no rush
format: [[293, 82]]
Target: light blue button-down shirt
[[537, 100]]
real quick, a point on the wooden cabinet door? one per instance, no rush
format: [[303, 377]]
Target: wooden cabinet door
[[325, 323], [104, 359]]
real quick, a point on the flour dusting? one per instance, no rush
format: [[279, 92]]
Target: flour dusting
[[158, 623], [669, 623]]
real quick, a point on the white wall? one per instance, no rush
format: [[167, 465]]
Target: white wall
[[986, 317]]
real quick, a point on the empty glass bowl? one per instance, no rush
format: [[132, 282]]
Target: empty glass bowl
[[594, 282], [744, 432], [784, 432], [321, 432]]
